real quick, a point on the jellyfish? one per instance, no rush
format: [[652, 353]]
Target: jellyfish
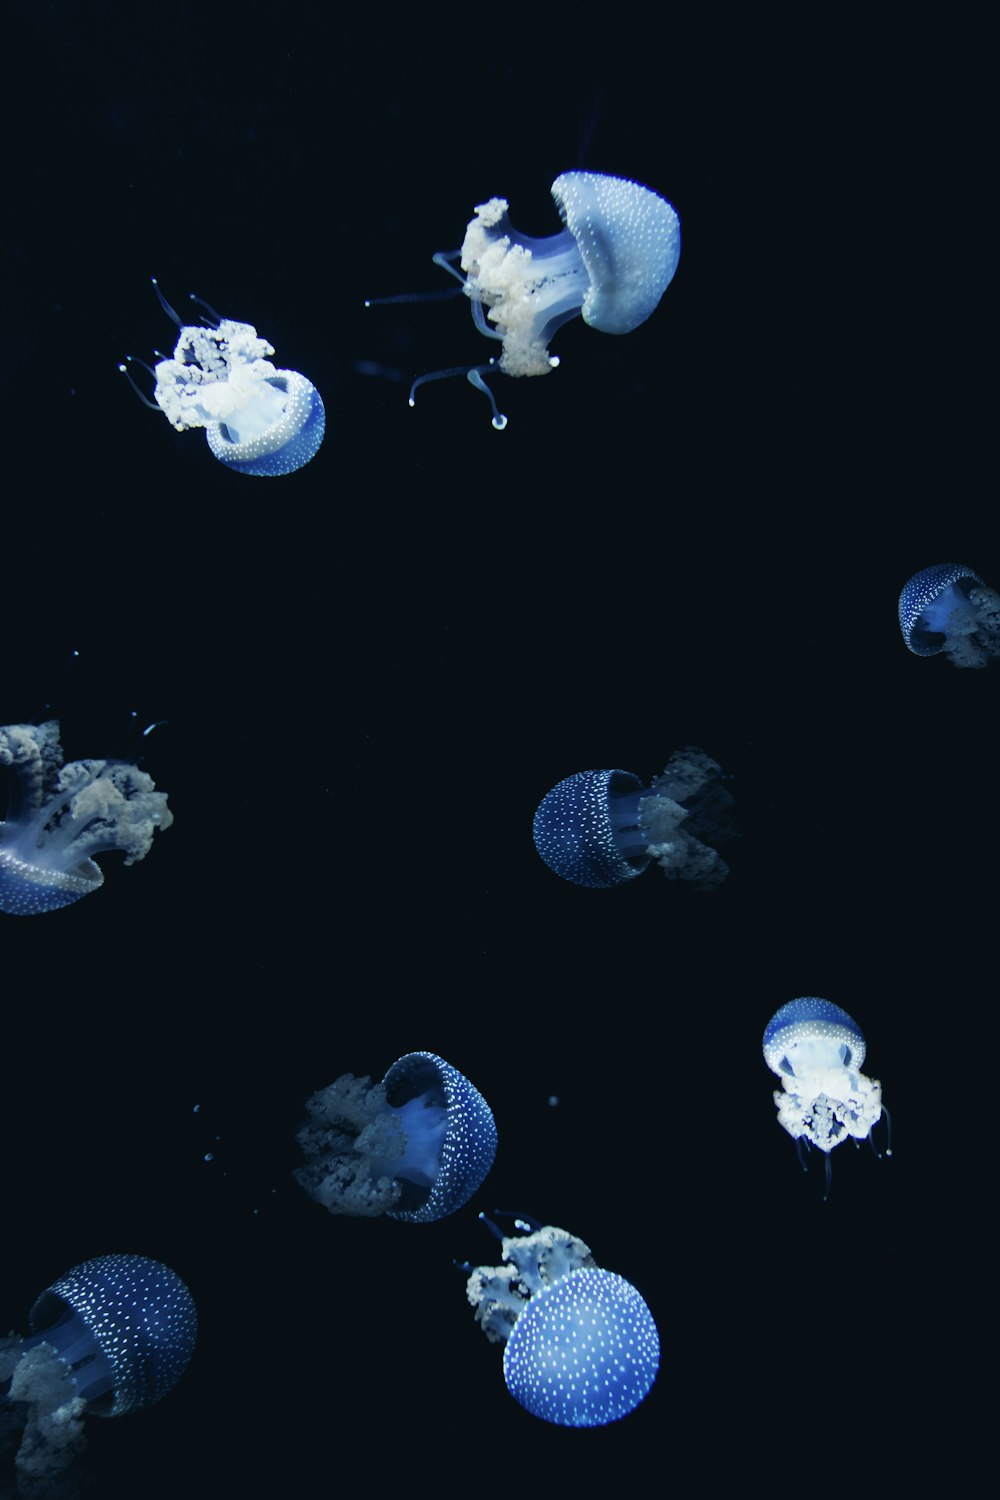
[[415, 1146], [611, 265], [601, 828], [60, 816], [113, 1335], [581, 1348], [257, 419], [817, 1049], [949, 608]]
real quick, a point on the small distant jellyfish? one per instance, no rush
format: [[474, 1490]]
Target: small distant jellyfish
[[415, 1146], [611, 265], [949, 608], [817, 1049], [111, 1336], [602, 828], [257, 419], [581, 1348], [59, 817]]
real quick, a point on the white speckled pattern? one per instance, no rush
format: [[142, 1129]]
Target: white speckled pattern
[[630, 242]]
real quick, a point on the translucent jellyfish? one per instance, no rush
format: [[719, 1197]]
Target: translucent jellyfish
[[415, 1146], [581, 1348], [611, 265], [257, 419], [60, 816], [817, 1049], [111, 1336], [601, 828], [949, 608]]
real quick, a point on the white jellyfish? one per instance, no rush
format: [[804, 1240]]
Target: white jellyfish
[[817, 1049], [60, 816], [611, 265], [257, 419]]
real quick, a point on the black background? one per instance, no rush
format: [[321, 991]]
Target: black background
[[372, 670]]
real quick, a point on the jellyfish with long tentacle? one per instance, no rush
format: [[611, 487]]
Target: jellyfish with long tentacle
[[60, 817], [948, 608], [414, 1147], [817, 1049], [603, 828], [113, 1335], [581, 1347], [257, 419], [610, 265]]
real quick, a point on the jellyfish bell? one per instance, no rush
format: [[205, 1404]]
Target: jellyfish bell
[[603, 828], [113, 1335], [60, 816], [258, 419], [610, 265], [581, 1347], [817, 1049], [948, 608], [414, 1147]]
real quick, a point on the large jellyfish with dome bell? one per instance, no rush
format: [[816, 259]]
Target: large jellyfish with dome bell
[[415, 1146], [610, 264], [111, 1336], [581, 1348]]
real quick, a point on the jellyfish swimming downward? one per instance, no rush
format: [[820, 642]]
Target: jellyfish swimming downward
[[257, 419], [817, 1049], [610, 265], [581, 1348], [113, 1335], [415, 1146], [602, 828], [59, 817]]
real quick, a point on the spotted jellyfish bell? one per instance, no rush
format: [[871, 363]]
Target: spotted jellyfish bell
[[111, 1336], [817, 1049], [257, 419], [602, 828], [949, 608], [610, 265], [581, 1348], [415, 1146]]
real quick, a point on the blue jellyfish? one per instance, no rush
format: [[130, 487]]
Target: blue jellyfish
[[949, 608], [60, 816], [611, 265], [111, 1336], [581, 1348], [415, 1146], [817, 1049], [257, 419], [601, 828]]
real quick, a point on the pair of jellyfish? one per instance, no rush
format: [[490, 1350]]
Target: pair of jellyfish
[[59, 817], [603, 828], [948, 608], [610, 264], [817, 1049], [111, 1336], [582, 1347]]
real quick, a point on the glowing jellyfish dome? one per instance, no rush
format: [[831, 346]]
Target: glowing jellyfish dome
[[581, 1348]]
